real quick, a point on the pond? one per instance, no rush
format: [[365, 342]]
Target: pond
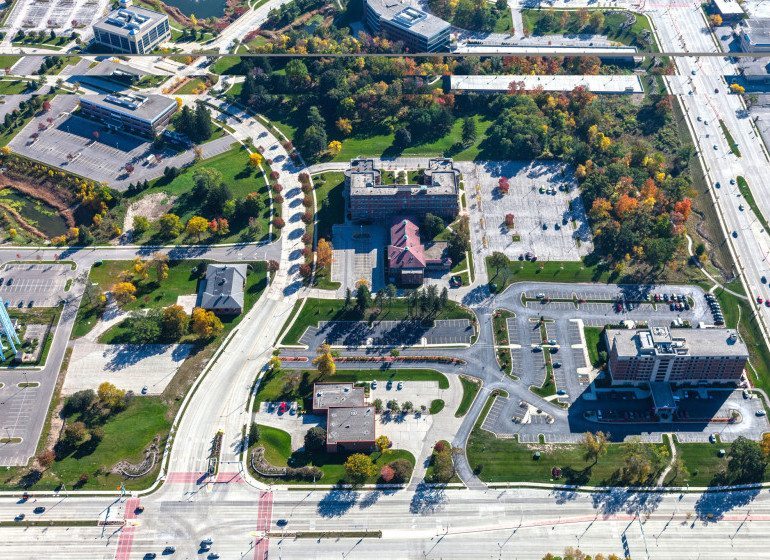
[[36, 212], [201, 8]]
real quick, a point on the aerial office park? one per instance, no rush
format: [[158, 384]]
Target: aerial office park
[[550, 242]]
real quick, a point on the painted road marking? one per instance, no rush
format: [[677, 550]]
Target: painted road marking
[[264, 518]]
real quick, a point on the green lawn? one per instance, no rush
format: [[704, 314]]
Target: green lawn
[[240, 178], [126, 435], [329, 189], [507, 460], [182, 280], [9, 87], [594, 344], [379, 144], [316, 310], [277, 444], [743, 187], [470, 390], [225, 65], [8, 60], [733, 308], [297, 385], [190, 86], [702, 462], [546, 271]]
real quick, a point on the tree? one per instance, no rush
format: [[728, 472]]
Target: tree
[[315, 440], [324, 362], [460, 240], [402, 138], [256, 160], [197, 226], [254, 433], [123, 292], [203, 126], [110, 396], [378, 406], [79, 402], [140, 225], [469, 133], [498, 260], [159, 263], [74, 433], [432, 225], [344, 126], [764, 444], [594, 446], [359, 467], [334, 148], [204, 323], [715, 20], [382, 443], [348, 298], [363, 297], [402, 470], [174, 322], [596, 21], [170, 225], [393, 406], [387, 473], [641, 461], [46, 458], [313, 140], [323, 253], [746, 463]]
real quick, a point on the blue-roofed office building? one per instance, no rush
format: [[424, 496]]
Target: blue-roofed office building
[[132, 30]]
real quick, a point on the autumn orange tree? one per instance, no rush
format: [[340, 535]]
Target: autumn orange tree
[[123, 292], [323, 253]]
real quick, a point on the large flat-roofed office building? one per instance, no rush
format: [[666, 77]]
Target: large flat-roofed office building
[[682, 356], [370, 200], [405, 22], [132, 30], [145, 115]]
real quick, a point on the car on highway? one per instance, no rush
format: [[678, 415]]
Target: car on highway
[[735, 234], [19, 517], [39, 509], [169, 550], [759, 299]]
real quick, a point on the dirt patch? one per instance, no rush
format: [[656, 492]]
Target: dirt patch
[[152, 207]]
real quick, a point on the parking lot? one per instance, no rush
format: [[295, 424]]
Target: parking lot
[[34, 285], [549, 217], [69, 142], [358, 253], [353, 334]]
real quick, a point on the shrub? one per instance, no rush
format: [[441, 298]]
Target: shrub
[[402, 470], [387, 473]]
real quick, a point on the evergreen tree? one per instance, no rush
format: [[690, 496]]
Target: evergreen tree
[[203, 127]]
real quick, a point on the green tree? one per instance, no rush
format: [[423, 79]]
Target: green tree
[[594, 446], [498, 260], [315, 440], [174, 322], [469, 133], [746, 463], [140, 225], [254, 433], [170, 226], [203, 125], [432, 225], [359, 467], [363, 297]]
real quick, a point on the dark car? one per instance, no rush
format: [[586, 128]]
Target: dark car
[[39, 510]]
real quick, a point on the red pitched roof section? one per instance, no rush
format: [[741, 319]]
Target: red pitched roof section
[[405, 249]]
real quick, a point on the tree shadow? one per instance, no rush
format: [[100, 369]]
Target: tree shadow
[[337, 502], [713, 505], [427, 498]]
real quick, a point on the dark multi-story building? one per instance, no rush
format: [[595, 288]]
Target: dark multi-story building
[[145, 115], [132, 30], [402, 21], [370, 200], [681, 356]]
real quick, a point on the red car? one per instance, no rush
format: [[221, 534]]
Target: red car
[[759, 299], [283, 407]]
